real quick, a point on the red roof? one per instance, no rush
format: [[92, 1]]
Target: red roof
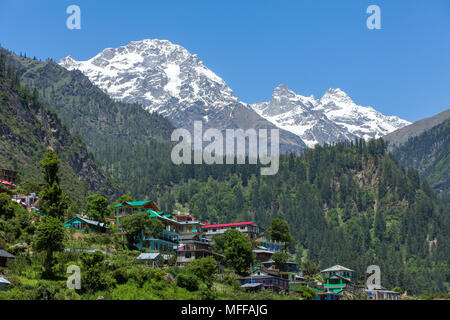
[[228, 225], [7, 182]]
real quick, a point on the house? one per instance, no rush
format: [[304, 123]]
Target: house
[[329, 296], [4, 283], [338, 278], [378, 292], [272, 245], [154, 259], [8, 176], [249, 228], [28, 202], [5, 256], [127, 208], [265, 280], [81, 224], [193, 247], [167, 240], [290, 266], [338, 270], [262, 254], [183, 217]]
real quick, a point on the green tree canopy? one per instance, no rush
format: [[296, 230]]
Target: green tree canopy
[[280, 259], [52, 199], [97, 207], [124, 198], [309, 268], [204, 268], [279, 231], [237, 249], [139, 224], [49, 237]]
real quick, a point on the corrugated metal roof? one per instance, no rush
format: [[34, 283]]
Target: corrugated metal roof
[[148, 256], [336, 268], [251, 285], [228, 225], [6, 254], [262, 251], [4, 281]]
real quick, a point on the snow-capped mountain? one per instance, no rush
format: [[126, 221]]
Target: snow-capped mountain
[[168, 79], [331, 118]]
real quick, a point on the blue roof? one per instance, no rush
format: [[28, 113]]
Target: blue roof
[[3, 280]]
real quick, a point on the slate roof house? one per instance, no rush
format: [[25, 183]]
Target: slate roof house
[[82, 224], [249, 228], [5, 256], [378, 292], [154, 259], [265, 280]]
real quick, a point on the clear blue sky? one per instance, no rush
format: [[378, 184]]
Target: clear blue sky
[[310, 45]]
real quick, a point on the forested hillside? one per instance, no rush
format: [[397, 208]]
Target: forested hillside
[[429, 153], [28, 129], [348, 204], [126, 140], [86, 109]]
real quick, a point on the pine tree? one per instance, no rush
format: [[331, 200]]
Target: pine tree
[[53, 201]]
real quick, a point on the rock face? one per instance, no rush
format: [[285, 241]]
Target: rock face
[[27, 130], [168, 79], [331, 118]]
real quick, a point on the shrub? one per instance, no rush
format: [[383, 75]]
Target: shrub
[[187, 281]]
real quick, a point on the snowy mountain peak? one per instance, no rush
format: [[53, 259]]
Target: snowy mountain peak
[[333, 117], [168, 79], [282, 90], [154, 72], [337, 96]]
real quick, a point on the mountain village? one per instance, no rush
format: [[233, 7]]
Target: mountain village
[[183, 240]]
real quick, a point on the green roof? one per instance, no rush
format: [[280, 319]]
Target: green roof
[[132, 203], [154, 214]]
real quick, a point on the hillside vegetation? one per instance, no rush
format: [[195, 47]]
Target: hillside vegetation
[[429, 153], [28, 129]]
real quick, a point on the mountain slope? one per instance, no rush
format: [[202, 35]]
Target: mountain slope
[[400, 136], [87, 110], [28, 129], [168, 79], [429, 153], [349, 204], [329, 119]]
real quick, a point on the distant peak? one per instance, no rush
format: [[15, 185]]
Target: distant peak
[[336, 94], [69, 60], [282, 90]]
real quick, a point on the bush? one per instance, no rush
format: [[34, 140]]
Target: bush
[[307, 293], [187, 281]]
